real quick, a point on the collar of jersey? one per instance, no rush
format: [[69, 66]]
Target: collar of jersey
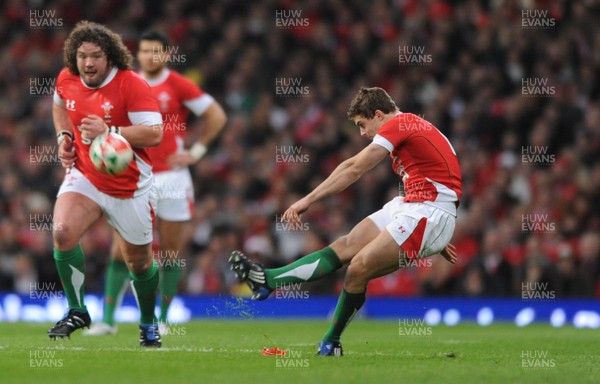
[[157, 80], [111, 75]]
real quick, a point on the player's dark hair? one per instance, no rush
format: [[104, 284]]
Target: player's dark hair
[[368, 100], [155, 35], [89, 32]]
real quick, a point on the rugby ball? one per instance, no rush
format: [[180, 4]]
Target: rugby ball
[[111, 153]]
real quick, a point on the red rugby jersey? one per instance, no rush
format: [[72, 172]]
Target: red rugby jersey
[[177, 96], [423, 157], [123, 99]]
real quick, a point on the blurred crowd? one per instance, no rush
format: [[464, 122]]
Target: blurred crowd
[[514, 86]]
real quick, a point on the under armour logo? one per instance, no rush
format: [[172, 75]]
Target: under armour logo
[[70, 104], [401, 228]]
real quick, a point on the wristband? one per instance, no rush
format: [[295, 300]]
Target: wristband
[[60, 136], [114, 129], [198, 150]]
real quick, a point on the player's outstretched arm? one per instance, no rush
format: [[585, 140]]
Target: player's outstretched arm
[[341, 178]]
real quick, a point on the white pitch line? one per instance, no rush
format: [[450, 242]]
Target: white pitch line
[[63, 348], [209, 350]]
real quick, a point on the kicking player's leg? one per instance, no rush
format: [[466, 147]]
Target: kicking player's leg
[[74, 214], [310, 267], [340, 252], [327, 260], [378, 258], [170, 243], [416, 230]]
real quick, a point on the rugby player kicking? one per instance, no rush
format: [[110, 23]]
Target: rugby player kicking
[[419, 224]]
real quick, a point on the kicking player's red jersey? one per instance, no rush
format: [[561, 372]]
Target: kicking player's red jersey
[[176, 96], [423, 157], [123, 99]]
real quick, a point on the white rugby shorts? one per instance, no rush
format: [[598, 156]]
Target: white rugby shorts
[[420, 229], [175, 194], [131, 218]]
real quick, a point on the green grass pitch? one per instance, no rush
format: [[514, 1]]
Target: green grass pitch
[[375, 352]]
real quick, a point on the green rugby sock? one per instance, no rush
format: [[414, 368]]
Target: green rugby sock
[[310, 267], [144, 287], [71, 269], [117, 275], [347, 306], [169, 280]]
